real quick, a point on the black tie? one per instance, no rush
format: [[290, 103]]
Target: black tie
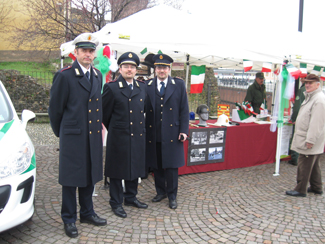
[[87, 75], [131, 86], [162, 88]]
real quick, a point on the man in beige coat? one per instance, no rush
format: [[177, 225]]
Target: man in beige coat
[[309, 139]]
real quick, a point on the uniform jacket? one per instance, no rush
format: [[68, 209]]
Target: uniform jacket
[[310, 124], [75, 113], [175, 120], [256, 95], [123, 116]]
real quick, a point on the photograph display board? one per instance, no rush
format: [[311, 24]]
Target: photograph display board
[[206, 145]]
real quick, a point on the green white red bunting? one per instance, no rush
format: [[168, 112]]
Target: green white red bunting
[[197, 78], [293, 71], [248, 65], [303, 69], [316, 70], [267, 67]]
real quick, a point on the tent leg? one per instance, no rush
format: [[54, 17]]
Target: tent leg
[[187, 69]]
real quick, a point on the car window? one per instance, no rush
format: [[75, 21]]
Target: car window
[[5, 110]]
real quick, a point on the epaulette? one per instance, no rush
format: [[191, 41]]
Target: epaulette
[[95, 72], [136, 82], [150, 82], [66, 68]]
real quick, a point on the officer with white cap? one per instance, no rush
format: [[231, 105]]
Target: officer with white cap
[[75, 113]]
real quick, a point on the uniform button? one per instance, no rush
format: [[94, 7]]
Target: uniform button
[[97, 99], [160, 119], [141, 123], [89, 100], [131, 123], [161, 105], [98, 120], [129, 99], [141, 100], [97, 109], [171, 109], [150, 110], [89, 110], [162, 98], [90, 132], [149, 141], [89, 121], [140, 134], [171, 124], [97, 131], [130, 111], [171, 140], [141, 111], [150, 126], [131, 134], [161, 112]]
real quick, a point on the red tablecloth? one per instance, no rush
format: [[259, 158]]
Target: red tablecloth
[[248, 144]]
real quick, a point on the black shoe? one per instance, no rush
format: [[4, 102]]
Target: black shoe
[[295, 194], [136, 203], [71, 230], [172, 204], [94, 219], [316, 192], [119, 211], [158, 198], [293, 162]]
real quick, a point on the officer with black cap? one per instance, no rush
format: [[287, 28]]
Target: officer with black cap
[[256, 93], [75, 113], [167, 123], [123, 116]]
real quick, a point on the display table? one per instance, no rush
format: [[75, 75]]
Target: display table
[[248, 144]]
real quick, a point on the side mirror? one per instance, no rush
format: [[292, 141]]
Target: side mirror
[[26, 115]]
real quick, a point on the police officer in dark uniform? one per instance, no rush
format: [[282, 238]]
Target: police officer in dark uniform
[[123, 116], [167, 123], [256, 93], [75, 113]]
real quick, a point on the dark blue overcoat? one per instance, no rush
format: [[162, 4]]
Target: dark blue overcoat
[[123, 116], [75, 113], [175, 120]]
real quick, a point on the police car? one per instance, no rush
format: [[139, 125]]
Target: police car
[[17, 165]]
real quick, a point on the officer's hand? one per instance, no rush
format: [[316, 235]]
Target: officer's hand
[[309, 145], [182, 137]]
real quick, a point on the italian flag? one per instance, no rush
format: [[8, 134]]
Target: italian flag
[[197, 78], [248, 65], [322, 76], [293, 71], [316, 70], [267, 67], [303, 69]]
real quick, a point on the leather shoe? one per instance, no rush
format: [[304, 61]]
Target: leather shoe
[[94, 219], [295, 194], [71, 230], [172, 204], [119, 211], [136, 203], [158, 198], [316, 192]]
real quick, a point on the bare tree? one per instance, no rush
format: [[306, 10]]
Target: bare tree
[[174, 3], [5, 15]]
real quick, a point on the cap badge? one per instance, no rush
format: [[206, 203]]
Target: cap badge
[[89, 37], [161, 56], [130, 55]]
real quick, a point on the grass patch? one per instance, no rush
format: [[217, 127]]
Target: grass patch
[[28, 66]]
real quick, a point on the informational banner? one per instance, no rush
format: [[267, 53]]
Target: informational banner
[[206, 145], [285, 140]]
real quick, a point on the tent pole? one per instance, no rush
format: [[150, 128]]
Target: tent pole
[[187, 68], [62, 61]]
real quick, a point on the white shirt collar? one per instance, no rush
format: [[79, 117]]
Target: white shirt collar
[[83, 68], [159, 85]]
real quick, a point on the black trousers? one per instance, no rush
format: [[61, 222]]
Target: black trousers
[[69, 203], [166, 180], [116, 191]]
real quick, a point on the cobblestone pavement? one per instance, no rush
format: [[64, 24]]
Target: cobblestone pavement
[[246, 205]]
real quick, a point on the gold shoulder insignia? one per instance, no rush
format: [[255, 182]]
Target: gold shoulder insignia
[[120, 84], [77, 71], [95, 72], [137, 83], [150, 82], [173, 81]]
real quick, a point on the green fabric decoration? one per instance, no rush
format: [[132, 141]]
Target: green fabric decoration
[[284, 103], [102, 63]]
